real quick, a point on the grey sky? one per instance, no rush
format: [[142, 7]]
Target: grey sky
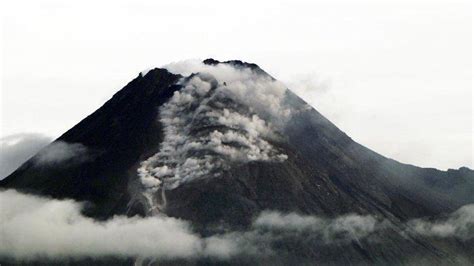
[[395, 76]]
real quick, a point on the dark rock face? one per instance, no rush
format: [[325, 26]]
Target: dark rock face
[[326, 174], [122, 131]]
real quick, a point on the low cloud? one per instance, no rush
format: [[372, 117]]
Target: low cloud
[[343, 228], [460, 224], [60, 151], [36, 227], [17, 149]]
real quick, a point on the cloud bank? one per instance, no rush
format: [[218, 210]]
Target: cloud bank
[[35, 227], [17, 149]]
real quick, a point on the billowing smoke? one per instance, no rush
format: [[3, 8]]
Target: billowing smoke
[[250, 86], [223, 115], [61, 151], [17, 149]]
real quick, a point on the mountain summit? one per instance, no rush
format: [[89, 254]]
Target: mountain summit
[[219, 143]]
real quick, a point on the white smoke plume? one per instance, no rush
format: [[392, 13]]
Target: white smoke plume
[[223, 114], [17, 149], [255, 89], [61, 151]]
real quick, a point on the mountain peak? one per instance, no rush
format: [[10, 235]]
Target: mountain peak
[[211, 61], [236, 63], [218, 143]]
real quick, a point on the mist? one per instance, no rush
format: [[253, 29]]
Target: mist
[[62, 152], [17, 149], [459, 224], [36, 227]]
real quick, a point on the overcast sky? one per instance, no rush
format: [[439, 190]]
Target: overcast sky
[[395, 76]]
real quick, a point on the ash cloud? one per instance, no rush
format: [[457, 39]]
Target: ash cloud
[[17, 149]]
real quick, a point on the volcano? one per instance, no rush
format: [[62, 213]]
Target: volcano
[[219, 143]]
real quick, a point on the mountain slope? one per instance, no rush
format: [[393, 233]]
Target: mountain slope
[[280, 155], [120, 132]]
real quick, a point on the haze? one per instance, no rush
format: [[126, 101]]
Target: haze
[[395, 76]]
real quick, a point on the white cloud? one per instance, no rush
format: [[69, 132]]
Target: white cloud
[[17, 149], [287, 221], [37, 227], [61, 151], [342, 228], [459, 224]]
